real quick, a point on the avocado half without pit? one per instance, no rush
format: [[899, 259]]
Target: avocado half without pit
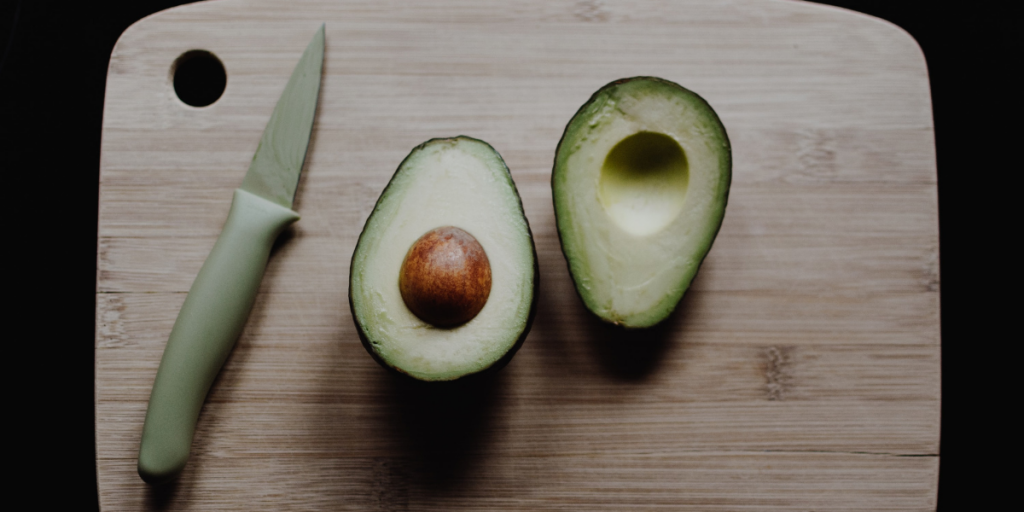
[[443, 282], [640, 184]]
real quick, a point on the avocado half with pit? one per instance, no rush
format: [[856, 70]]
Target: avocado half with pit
[[640, 184], [443, 282]]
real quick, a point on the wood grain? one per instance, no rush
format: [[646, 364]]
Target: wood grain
[[801, 372]]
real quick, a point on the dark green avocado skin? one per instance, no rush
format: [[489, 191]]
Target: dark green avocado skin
[[505, 359], [554, 166]]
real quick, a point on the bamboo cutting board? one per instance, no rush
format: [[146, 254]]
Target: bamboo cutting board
[[801, 372]]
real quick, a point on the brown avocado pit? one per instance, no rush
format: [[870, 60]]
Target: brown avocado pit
[[446, 277]]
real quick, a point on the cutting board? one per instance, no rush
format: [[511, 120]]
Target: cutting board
[[800, 372]]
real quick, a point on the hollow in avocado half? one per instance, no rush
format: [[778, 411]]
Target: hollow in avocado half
[[443, 282], [640, 184]]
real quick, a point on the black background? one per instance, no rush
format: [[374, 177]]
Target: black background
[[52, 79]]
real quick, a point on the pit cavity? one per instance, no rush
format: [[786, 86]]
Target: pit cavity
[[643, 182]]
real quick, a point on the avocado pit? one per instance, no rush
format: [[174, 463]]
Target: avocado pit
[[446, 277]]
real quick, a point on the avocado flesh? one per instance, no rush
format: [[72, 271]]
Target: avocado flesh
[[640, 184], [460, 182]]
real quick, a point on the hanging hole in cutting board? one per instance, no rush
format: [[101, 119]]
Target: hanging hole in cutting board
[[199, 78]]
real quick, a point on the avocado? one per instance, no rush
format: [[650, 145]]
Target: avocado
[[640, 183], [443, 281]]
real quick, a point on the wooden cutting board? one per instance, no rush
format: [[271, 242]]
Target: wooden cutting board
[[801, 372]]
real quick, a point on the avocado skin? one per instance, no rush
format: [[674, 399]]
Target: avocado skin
[[504, 360], [554, 167]]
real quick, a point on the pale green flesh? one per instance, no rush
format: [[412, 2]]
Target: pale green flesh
[[458, 182], [277, 164], [640, 185]]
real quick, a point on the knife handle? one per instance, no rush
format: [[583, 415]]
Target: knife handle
[[209, 323]]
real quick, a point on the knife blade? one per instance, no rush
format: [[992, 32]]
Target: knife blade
[[221, 297]]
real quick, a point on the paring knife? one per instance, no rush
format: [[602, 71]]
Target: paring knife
[[218, 304]]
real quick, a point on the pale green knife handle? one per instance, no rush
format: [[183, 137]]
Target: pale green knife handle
[[210, 321]]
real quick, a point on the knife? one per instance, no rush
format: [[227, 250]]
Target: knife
[[218, 304]]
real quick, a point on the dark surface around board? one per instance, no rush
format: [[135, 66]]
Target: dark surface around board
[[52, 77]]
